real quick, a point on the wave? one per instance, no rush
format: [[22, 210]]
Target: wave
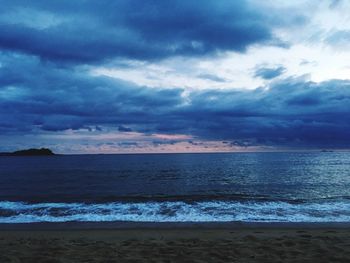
[[168, 198], [176, 211]]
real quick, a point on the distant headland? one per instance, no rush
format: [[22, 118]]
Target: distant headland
[[29, 152]]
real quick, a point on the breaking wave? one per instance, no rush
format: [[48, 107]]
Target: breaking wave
[[177, 211]]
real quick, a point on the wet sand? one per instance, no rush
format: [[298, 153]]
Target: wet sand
[[176, 244]]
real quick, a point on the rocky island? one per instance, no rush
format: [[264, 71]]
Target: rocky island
[[29, 152]]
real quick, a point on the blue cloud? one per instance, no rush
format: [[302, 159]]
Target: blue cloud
[[211, 77], [269, 73], [46, 97], [339, 38], [95, 31], [46, 88], [291, 112], [122, 128]]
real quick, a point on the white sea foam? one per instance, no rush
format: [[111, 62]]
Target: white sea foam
[[176, 211]]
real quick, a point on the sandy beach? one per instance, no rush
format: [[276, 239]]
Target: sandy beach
[[179, 244]]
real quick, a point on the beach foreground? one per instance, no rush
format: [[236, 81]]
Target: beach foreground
[[237, 244]]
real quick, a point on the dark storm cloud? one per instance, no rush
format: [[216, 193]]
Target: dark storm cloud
[[291, 112], [48, 47], [122, 128], [269, 73], [43, 96], [94, 31]]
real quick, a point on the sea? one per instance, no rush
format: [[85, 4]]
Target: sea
[[206, 187]]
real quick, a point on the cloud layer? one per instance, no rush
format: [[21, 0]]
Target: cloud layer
[[50, 52], [90, 31], [39, 97]]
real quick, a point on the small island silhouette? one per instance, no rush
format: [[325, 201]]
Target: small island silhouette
[[29, 152]]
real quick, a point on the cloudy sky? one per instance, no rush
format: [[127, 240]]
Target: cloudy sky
[[174, 76]]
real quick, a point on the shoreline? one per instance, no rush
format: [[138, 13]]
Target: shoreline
[[47, 226]]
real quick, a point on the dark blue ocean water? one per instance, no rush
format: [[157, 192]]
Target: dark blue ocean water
[[282, 187]]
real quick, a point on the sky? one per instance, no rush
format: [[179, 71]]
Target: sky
[[132, 76]]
